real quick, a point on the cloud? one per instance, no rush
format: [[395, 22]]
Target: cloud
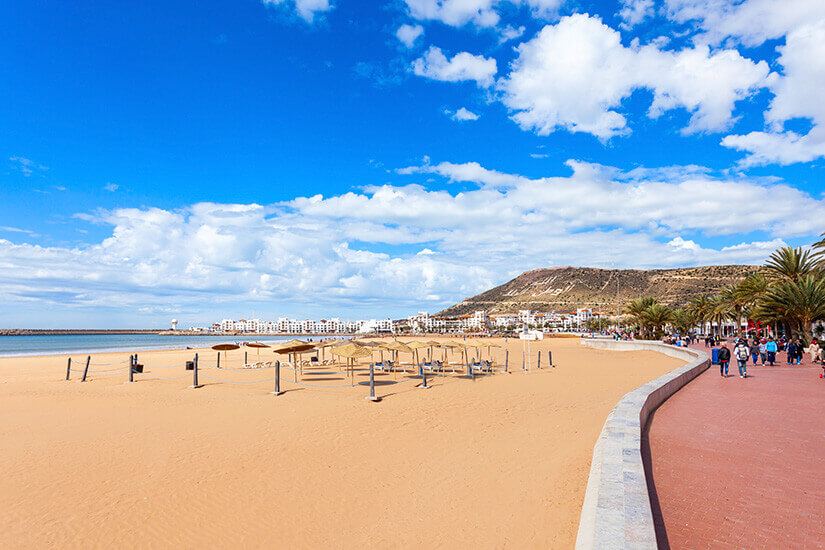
[[510, 33], [575, 75], [305, 9], [26, 166], [797, 94], [750, 22], [481, 13], [408, 34], [634, 12], [329, 253], [461, 115], [462, 66], [111, 187]]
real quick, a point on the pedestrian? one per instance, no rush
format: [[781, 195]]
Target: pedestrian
[[742, 352], [763, 352], [800, 351], [790, 352], [724, 359], [754, 349], [813, 349], [771, 348]]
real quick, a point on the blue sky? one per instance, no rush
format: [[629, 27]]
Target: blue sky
[[335, 158]]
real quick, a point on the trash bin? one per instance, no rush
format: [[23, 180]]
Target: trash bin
[[137, 368], [715, 357], [190, 365]]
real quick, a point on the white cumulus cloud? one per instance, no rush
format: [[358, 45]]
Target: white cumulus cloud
[[574, 75], [408, 34], [462, 66]]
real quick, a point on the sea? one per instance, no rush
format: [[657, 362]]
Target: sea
[[62, 344]]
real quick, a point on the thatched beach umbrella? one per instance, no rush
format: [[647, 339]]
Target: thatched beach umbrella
[[415, 346], [351, 351], [257, 346], [292, 348], [224, 348]]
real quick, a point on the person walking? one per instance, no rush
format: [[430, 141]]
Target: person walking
[[771, 348], [800, 351], [754, 349], [724, 360], [813, 349], [742, 352], [763, 352], [790, 352]]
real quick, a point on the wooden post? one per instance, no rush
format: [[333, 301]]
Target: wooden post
[[538, 363], [219, 360], [245, 360], [69, 369], [550, 358], [506, 359], [88, 359], [132, 368]]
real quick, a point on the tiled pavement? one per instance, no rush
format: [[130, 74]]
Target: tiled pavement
[[740, 463]]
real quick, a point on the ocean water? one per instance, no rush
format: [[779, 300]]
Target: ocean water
[[61, 344]]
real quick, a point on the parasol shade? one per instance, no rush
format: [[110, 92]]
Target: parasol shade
[[225, 347]]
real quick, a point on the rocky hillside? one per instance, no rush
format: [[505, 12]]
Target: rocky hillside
[[563, 289]]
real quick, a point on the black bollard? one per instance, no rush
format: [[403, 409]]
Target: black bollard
[[371, 396], [506, 359], [132, 368], [88, 359], [277, 379], [245, 359], [424, 379], [538, 363], [69, 369], [550, 359], [195, 373], [219, 360]]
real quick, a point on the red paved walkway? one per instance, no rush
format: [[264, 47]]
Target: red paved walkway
[[740, 463]]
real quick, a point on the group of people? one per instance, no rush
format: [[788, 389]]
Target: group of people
[[764, 350]]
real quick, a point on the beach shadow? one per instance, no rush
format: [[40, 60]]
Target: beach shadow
[[378, 383], [647, 460]]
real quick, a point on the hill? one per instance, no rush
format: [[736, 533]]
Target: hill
[[564, 289]]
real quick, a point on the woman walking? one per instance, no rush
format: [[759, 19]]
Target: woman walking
[[754, 349], [813, 349]]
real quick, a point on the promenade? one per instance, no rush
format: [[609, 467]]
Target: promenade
[[740, 463]]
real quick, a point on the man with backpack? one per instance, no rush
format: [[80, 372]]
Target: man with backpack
[[742, 352]]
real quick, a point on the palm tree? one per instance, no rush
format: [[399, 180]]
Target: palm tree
[[656, 316], [683, 320], [799, 303], [790, 264], [637, 309], [701, 307], [721, 311]]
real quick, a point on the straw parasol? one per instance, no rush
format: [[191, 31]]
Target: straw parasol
[[224, 348], [293, 347], [257, 346], [351, 351], [415, 345], [395, 347]]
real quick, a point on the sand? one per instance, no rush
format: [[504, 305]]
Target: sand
[[499, 462]]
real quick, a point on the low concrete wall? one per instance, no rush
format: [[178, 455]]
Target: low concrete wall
[[616, 511]]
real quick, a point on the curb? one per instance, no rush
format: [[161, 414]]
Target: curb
[[616, 512]]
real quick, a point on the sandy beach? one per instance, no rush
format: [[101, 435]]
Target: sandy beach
[[501, 461]]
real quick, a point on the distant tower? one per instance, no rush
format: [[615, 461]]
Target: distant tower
[[174, 324]]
